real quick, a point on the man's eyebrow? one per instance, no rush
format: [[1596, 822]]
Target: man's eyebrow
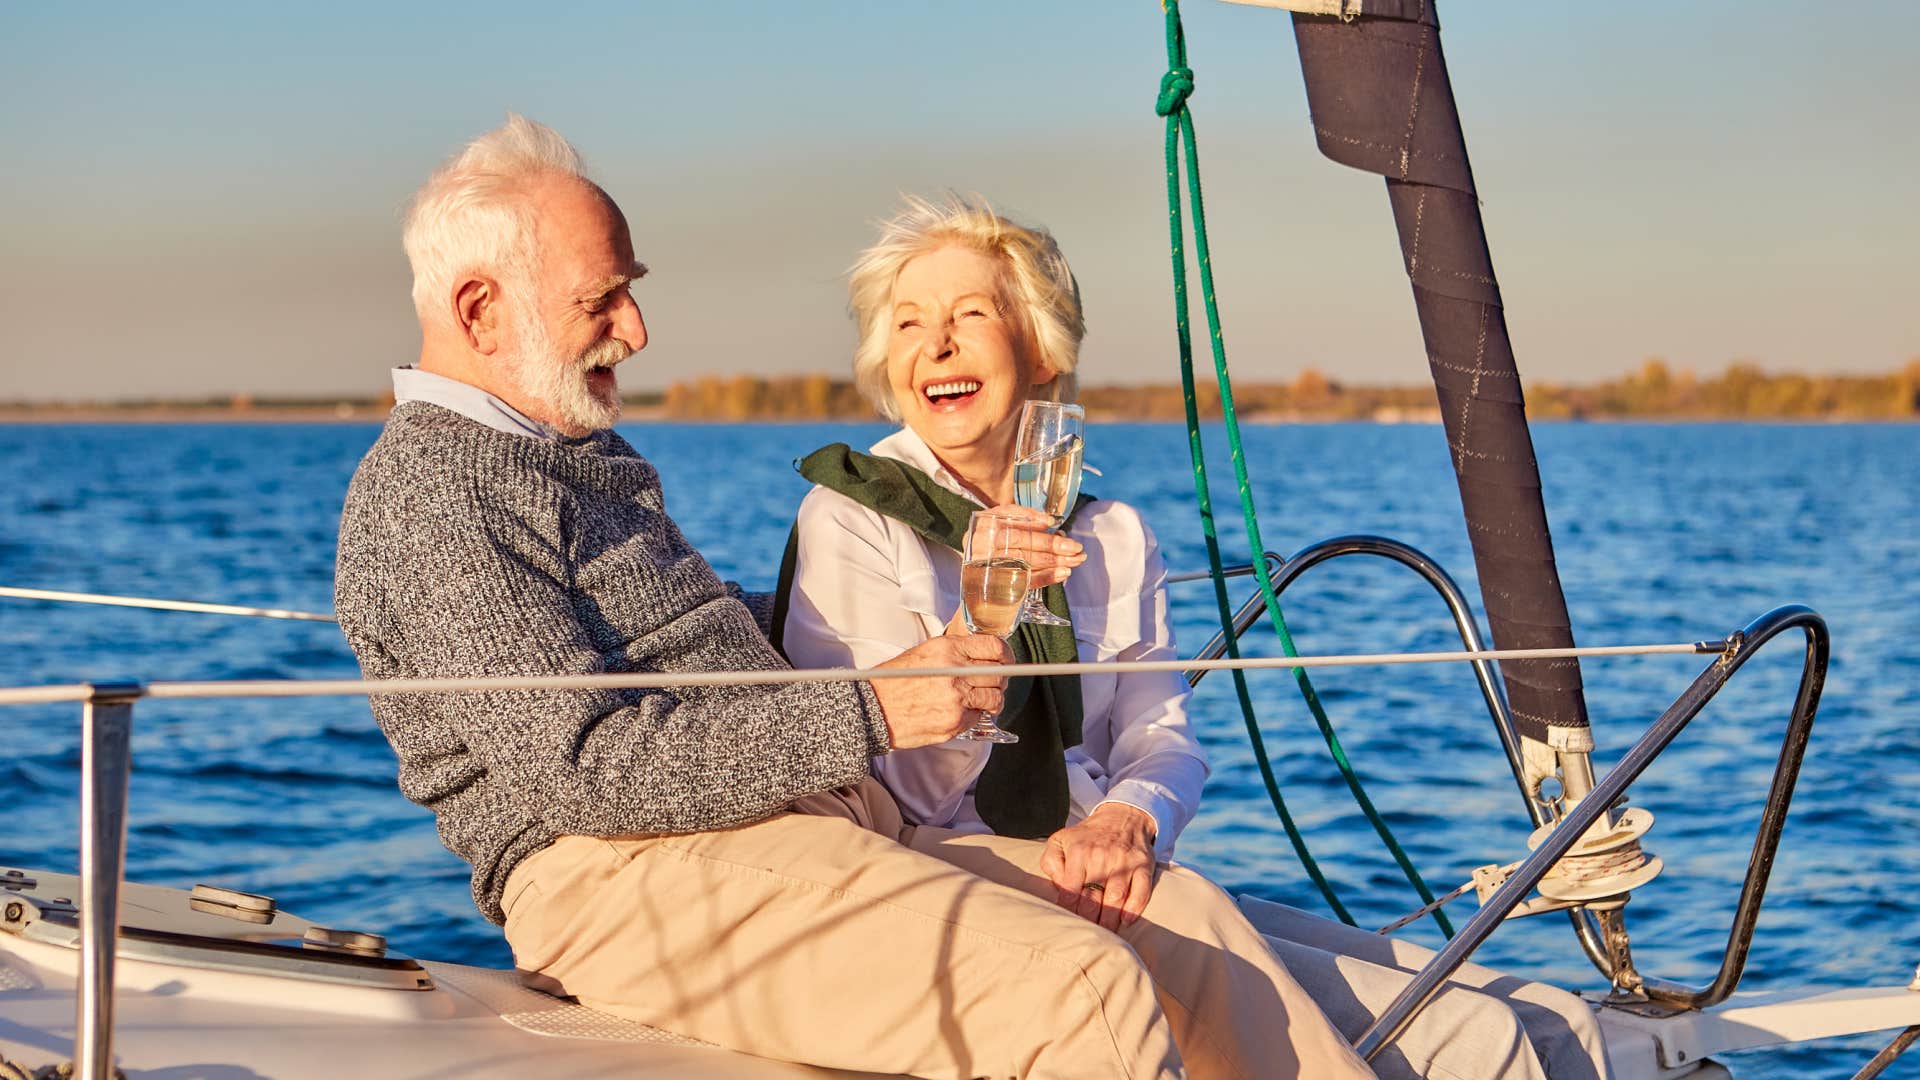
[[605, 285]]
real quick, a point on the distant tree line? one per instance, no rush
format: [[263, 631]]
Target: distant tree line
[[1655, 390], [1742, 391], [752, 397]]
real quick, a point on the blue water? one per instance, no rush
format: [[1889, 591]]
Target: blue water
[[1665, 533]]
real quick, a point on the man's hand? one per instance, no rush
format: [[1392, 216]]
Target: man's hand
[[1103, 867], [925, 711]]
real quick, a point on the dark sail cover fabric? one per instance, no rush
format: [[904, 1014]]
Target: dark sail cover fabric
[[1380, 100]]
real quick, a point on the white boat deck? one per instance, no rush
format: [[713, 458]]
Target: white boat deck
[[192, 1004], [182, 1020]]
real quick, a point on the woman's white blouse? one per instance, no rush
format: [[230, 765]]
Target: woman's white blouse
[[867, 587]]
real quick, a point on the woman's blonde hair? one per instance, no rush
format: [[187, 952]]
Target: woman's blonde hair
[[1035, 280]]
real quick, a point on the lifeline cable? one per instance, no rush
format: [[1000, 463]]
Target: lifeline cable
[[1175, 87], [163, 605], [649, 680]]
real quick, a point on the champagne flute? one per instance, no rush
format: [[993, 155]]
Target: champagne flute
[[1046, 476], [993, 578]]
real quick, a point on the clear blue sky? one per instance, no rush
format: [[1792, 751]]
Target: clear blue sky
[[203, 198]]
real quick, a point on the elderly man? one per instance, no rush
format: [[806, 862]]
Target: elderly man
[[715, 861]]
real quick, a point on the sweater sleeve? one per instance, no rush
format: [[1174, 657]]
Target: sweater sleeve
[[477, 589]]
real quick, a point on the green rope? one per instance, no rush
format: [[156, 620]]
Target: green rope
[[1175, 87]]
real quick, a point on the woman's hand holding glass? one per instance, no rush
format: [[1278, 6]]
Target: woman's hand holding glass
[[1046, 476], [1050, 557]]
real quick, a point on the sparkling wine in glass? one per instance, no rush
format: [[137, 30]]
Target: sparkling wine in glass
[[993, 580], [1046, 476]]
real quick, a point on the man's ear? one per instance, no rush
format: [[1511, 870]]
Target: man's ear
[[477, 311]]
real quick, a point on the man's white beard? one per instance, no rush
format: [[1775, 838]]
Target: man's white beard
[[560, 382]]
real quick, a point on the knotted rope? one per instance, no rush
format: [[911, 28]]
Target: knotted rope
[[1175, 87]]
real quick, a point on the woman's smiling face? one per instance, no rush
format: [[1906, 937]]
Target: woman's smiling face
[[959, 361]]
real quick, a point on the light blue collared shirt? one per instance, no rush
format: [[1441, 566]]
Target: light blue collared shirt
[[412, 384]]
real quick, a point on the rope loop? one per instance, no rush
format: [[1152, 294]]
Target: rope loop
[[1175, 87]]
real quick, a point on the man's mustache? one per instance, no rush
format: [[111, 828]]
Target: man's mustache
[[604, 353]]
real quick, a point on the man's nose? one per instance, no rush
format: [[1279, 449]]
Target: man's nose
[[628, 325]]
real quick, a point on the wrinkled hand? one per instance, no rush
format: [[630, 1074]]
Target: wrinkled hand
[[1051, 556], [1103, 867], [925, 711]]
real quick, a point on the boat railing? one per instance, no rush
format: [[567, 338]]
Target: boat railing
[[106, 764], [1576, 820], [1284, 572], [1584, 814]]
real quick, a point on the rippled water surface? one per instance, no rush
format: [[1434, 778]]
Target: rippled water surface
[[1665, 533]]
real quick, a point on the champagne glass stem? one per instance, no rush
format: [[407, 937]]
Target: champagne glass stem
[[986, 729], [1034, 608]]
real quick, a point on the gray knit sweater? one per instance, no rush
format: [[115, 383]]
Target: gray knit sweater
[[466, 551]]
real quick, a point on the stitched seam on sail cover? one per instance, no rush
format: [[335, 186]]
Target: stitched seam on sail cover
[[1465, 370], [1419, 218], [1463, 275], [1413, 111], [1424, 155], [1466, 413]]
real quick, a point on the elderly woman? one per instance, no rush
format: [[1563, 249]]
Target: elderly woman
[[963, 316]]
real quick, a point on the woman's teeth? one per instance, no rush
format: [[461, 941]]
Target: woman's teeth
[[955, 388]]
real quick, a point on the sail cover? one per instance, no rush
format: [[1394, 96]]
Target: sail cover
[[1380, 101]]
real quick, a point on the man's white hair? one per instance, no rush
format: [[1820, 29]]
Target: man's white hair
[[470, 215]]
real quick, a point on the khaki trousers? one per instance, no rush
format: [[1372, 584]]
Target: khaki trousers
[[834, 935], [1482, 1026]]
